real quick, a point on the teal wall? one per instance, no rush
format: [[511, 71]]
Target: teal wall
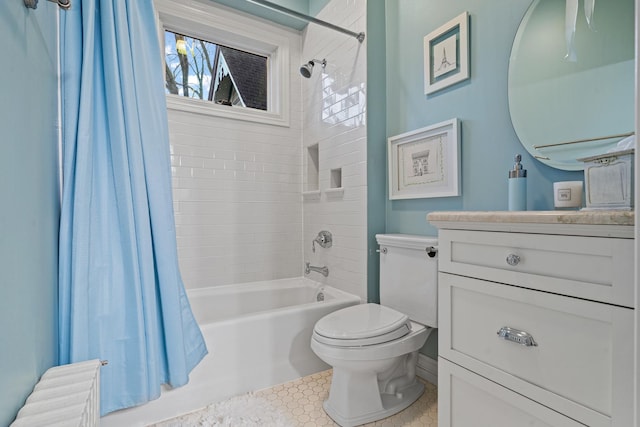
[[307, 7], [30, 207], [488, 139], [376, 137], [316, 6], [300, 6]]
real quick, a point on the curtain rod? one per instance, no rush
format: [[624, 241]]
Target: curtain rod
[[33, 4], [287, 11]]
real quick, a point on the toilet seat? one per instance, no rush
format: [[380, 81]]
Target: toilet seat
[[361, 325]]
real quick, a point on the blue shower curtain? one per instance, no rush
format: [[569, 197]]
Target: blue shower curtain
[[121, 295]]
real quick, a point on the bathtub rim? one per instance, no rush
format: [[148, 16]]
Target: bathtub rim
[[337, 297]]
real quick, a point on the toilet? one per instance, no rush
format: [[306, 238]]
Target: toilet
[[373, 348]]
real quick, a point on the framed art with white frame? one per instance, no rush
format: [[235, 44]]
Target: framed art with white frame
[[446, 54], [425, 162]]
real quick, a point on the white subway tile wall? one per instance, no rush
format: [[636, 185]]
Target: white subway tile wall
[[237, 193], [334, 117], [240, 215]]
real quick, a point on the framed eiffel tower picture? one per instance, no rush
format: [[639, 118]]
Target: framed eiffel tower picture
[[446, 54]]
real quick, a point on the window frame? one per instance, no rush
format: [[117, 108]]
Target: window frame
[[222, 26]]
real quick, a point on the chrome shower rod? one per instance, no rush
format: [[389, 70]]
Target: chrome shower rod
[[287, 11]]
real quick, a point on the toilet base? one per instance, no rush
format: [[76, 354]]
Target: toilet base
[[388, 404]]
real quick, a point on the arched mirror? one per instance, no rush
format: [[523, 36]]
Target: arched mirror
[[556, 103]]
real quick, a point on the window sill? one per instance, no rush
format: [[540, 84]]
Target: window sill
[[208, 108]]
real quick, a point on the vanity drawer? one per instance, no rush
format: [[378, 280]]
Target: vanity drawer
[[475, 401], [578, 366], [594, 268]]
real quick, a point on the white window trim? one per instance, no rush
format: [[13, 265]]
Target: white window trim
[[221, 25]]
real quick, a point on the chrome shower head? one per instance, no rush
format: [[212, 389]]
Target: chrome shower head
[[307, 68]]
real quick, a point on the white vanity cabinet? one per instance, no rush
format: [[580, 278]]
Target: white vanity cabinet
[[535, 319]]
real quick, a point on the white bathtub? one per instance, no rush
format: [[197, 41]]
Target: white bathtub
[[258, 335]]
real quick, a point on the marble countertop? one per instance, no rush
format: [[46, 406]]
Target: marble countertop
[[609, 217]]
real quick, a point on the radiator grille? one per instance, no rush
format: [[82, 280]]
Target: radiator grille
[[67, 395]]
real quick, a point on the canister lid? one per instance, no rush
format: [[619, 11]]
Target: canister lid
[[517, 171]]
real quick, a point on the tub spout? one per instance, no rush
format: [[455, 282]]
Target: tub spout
[[322, 270]]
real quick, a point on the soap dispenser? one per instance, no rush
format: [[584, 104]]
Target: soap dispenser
[[518, 186]]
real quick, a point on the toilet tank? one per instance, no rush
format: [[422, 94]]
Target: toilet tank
[[409, 276]]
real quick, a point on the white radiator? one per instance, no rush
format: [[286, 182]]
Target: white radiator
[[65, 396]]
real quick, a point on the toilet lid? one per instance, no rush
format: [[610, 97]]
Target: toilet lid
[[363, 324]]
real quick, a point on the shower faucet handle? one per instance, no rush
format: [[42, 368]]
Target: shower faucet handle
[[324, 239]]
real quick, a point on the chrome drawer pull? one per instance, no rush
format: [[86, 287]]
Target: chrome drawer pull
[[513, 259], [516, 336]]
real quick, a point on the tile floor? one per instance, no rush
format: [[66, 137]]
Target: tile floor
[[299, 403]]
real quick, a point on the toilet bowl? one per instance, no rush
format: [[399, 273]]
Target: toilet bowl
[[373, 350]]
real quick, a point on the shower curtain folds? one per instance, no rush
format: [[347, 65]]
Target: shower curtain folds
[[121, 297]]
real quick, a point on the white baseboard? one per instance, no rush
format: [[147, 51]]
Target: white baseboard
[[427, 369]]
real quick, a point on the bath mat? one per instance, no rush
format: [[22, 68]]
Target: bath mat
[[246, 410]]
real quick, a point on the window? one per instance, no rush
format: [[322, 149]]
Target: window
[[220, 62], [195, 68]]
